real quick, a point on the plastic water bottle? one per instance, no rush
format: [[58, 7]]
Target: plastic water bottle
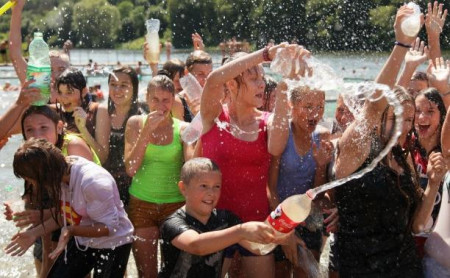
[[191, 86], [286, 217], [194, 130], [39, 68], [152, 38], [411, 25]]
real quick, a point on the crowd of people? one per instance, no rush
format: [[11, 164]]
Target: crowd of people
[[102, 181]]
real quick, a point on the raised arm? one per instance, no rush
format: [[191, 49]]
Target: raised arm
[[359, 132], [10, 121], [445, 136], [211, 106], [434, 24], [15, 42], [416, 55], [438, 75]]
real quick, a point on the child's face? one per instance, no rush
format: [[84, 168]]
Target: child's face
[[41, 127], [202, 193], [308, 111], [121, 90], [161, 100], [69, 97], [427, 118]]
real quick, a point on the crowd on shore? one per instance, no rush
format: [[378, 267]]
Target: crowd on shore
[[104, 180]]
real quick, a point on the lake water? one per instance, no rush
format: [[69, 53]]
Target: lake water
[[352, 67]]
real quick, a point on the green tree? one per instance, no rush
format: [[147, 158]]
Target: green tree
[[96, 23]]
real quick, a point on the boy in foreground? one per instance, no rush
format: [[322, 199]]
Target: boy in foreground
[[196, 234]]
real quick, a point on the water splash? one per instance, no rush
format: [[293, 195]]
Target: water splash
[[369, 95]]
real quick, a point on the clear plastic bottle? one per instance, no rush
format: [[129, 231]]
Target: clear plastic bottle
[[191, 86], [193, 131], [39, 68], [152, 38], [286, 217], [411, 25]]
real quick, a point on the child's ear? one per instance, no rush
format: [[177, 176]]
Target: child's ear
[[182, 188]]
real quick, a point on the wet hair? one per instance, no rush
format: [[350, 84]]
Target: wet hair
[[198, 57], [239, 79], [163, 82], [47, 112], [419, 76], [74, 79], [434, 96], [196, 166], [399, 154], [43, 162], [298, 92], [172, 67], [271, 84], [134, 109]]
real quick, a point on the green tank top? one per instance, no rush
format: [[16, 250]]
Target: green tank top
[[156, 181], [69, 137]]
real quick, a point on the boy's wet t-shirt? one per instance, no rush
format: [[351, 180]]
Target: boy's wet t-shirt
[[177, 263]]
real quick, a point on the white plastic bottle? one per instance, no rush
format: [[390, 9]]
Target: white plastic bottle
[[152, 38], [193, 131], [411, 25], [286, 217], [39, 68]]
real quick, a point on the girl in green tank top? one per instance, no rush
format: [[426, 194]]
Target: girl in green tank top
[[154, 154]]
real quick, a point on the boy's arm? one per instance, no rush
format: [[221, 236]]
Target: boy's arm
[[210, 242]]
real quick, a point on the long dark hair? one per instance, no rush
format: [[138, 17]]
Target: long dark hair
[[47, 112], [401, 154], [43, 162], [432, 95], [134, 109]]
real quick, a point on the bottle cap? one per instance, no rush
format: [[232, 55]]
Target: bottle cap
[[38, 35]]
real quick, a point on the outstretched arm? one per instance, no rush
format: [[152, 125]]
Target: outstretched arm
[[416, 55], [15, 42], [434, 24], [359, 132]]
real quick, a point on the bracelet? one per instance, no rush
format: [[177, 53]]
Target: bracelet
[[266, 56], [402, 44]]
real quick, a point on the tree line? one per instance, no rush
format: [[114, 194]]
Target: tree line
[[319, 24]]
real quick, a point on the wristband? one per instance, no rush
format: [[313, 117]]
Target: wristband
[[265, 54], [402, 44]]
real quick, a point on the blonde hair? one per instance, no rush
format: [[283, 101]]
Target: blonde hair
[[298, 93]]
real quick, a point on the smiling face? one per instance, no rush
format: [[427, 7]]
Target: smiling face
[[69, 97], [308, 109], [40, 127], [202, 194], [121, 89], [427, 118]]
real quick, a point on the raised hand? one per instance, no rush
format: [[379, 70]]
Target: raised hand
[[64, 238], [80, 117], [290, 60], [436, 168], [438, 74], [435, 19], [402, 13], [197, 42], [417, 54], [28, 95]]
